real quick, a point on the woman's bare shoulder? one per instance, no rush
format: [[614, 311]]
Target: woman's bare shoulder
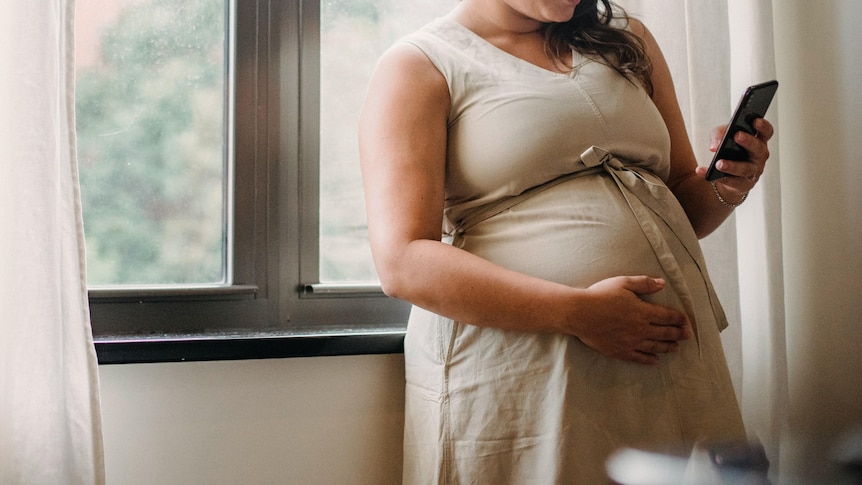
[[638, 28], [406, 62]]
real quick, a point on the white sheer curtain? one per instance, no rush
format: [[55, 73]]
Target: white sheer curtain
[[764, 381], [50, 430], [715, 48]]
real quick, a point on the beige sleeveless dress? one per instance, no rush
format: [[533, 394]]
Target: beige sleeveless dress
[[559, 176]]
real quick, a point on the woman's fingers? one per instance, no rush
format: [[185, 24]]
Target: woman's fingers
[[648, 352], [629, 328], [643, 358], [745, 174], [758, 150], [673, 328], [764, 129], [658, 347], [715, 136]]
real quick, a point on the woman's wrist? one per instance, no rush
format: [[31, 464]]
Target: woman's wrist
[[725, 202]]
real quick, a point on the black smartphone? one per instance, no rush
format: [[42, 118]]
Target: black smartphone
[[753, 104]]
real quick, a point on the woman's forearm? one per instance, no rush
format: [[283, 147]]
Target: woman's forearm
[[703, 208], [451, 282], [609, 316]]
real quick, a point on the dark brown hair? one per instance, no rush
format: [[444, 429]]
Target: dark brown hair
[[589, 32]]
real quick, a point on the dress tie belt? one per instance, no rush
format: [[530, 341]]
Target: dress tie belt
[[644, 197], [647, 200]]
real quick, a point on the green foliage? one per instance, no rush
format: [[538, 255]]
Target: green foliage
[[356, 9], [151, 138], [151, 146]]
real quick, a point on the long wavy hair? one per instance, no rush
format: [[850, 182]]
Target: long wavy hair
[[590, 33]]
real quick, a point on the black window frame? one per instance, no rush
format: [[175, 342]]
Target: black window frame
[[275, 306]]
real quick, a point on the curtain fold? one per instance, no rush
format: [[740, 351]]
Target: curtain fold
[[50, 429], [764, 393], [716, 49]]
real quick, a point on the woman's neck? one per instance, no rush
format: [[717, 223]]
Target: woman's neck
[[509, 30], [495, 19]]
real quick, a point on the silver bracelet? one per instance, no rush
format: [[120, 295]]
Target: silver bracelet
[[726, 203]]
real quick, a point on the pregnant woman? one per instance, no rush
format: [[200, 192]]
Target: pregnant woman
[[566, 311]]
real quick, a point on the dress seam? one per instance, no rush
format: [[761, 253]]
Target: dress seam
[[593, 107], [447, 453]]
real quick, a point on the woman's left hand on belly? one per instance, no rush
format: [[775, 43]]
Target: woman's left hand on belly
[[621, 325]]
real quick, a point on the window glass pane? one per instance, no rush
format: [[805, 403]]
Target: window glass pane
[[151, 123], [354, 33]]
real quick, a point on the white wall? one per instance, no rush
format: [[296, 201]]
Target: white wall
[[338, 420], [820, 117], [333, 420]]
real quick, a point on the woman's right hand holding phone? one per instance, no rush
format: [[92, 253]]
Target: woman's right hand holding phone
[[743, 174]]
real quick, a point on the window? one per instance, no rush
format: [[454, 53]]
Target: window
[[222, 199], [152, 138]]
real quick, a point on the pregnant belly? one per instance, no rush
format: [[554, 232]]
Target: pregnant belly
[[575, 233]]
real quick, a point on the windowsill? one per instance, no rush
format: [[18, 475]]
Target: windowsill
[[175, 348]]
